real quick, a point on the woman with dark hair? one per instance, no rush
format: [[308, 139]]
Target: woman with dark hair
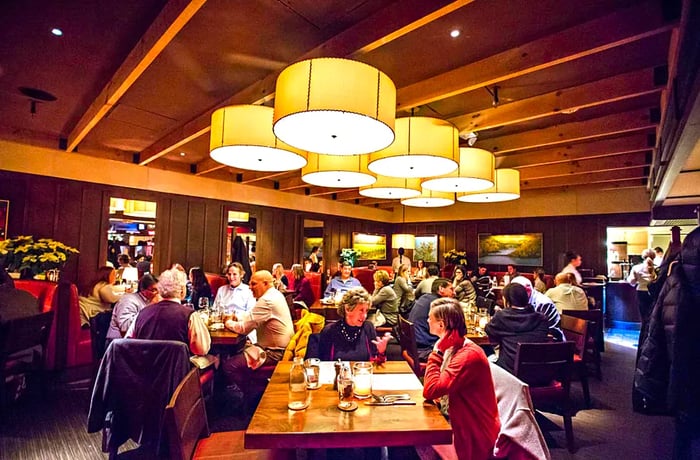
[[97, 296], [352, 337], [464, 289], [302, 287], [200, 287], [458, 378], [517, 323], [574, 261]]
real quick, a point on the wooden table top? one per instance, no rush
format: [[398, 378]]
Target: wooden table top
[[225, 337], [323, 425]]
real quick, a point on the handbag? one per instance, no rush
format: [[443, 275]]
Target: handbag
[[378, 319]]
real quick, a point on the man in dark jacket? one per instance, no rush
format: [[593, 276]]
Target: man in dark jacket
[[517, 323], [442, 287]]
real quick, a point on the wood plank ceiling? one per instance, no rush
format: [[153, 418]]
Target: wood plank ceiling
[[581, 86]]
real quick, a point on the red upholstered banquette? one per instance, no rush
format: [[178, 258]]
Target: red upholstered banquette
[[69, 345]]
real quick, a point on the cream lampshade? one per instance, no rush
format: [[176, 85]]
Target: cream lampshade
[[507, 187], [475, 172], [242, 137], [392, 188], [430, 199], [334, 106], [423, 147], [136, 208], [337, 171]]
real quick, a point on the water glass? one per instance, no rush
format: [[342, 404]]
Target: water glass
[[215, 314], [363, 379], [345, 391], [313, 372]]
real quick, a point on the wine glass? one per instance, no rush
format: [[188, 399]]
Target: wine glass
[[203, 303]]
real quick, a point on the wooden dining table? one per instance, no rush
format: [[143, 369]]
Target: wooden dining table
[[323, 425], [225, 337]]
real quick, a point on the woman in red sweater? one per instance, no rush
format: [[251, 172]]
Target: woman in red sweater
[[458, 378]]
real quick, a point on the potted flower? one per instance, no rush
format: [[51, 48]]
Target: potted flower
[[455, 257], [349, 255], [32, 257]]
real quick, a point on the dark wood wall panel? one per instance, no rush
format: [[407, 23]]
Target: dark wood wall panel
[[191, 230]]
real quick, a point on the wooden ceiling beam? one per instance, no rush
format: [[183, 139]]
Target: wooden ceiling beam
[[207, 166], [250, 177], [293, 183], [609, 125], [636, 142], [174, 16], [569, 100], [386, 25], [609, 163], [577, 42], [636, 173]]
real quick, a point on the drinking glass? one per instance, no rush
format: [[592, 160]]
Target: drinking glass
[[215, 313], [313, 371], [345, 390], [363, 379]]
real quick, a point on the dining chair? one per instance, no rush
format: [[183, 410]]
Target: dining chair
[[18, 339], [595, 331], [188, 429], [409, 348], [99, 324], [576, 331], [483, 302], [547, 367]]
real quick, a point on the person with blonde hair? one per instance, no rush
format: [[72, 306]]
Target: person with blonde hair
[[458, 378], [566, 295], [384, 299], [281, 281], [169, 319], [352, 337], [403, 289], [97, 296]]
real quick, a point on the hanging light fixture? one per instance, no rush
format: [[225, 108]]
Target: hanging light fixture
[[337, 171], [506, 187], [430, 199], [475, 172], [423, 147], [392, 188], [242, 137], [334, 106]]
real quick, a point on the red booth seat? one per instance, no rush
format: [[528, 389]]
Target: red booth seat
[[69, 345], [313, 277], [215, 282]]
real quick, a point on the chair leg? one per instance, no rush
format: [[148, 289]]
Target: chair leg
[[586, 391], [569, 430]]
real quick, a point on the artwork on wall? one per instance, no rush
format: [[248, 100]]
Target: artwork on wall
[[524, 249], [310, 242], [370, 246], [4, 214], [426, 248]]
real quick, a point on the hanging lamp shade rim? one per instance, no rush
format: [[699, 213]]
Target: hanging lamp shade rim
[[337, 171], [456, 184], [241, 136], [506, 188], [334, 106], [388, 193], [422, 202]]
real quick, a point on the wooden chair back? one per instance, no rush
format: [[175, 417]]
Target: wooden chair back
[[23, 333], [483, 302], [576, 331], [186, 417], [538, 364], [409, 348]]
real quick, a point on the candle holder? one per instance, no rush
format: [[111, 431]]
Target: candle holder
[[363, 379]]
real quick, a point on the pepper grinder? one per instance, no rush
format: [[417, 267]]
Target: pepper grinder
[[338, 366]]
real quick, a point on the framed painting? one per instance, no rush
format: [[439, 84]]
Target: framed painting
[[4, 215], [370, 246], [426, 248], [523, 249]]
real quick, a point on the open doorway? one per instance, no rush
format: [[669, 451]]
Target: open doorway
[[132, 232], [241, 240], [313, 245]]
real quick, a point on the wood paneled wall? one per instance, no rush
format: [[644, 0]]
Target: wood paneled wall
[[189, 230], [583, 234]]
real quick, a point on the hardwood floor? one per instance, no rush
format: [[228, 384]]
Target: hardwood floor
[[55, 429]]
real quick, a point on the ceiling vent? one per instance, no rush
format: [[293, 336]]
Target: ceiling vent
[[668, 216]]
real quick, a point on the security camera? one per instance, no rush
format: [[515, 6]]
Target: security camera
[[469, 136]]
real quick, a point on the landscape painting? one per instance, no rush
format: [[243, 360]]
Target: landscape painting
[[523, 249], [370, 246], [426, 248]]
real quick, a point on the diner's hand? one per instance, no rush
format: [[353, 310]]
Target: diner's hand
[[229, 325], [449, 340], [381, 342]]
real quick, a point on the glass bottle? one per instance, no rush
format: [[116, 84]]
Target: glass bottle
[[298, 393], [345, 387]]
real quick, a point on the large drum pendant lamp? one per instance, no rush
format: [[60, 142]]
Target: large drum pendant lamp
[[430, 199], [242, 137], [506, 187], [475, 172], [337, 171], [392, 188], [334, 106], [423, 147]]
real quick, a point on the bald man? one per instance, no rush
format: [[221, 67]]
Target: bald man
[[271, 320]]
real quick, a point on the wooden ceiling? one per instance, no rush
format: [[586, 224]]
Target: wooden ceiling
[[582, 87]]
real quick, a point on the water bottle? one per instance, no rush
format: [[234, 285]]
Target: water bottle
[[298, 393]]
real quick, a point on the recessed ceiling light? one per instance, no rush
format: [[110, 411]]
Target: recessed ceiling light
[[57, 32], [454, 33], [182, 154]]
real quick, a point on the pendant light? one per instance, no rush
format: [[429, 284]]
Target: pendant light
[[475, 172], [337, 171], [506, 187]]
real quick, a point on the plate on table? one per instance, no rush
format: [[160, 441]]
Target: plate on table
[[216, 326]]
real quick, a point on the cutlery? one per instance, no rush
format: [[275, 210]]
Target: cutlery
[[397, 402]]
